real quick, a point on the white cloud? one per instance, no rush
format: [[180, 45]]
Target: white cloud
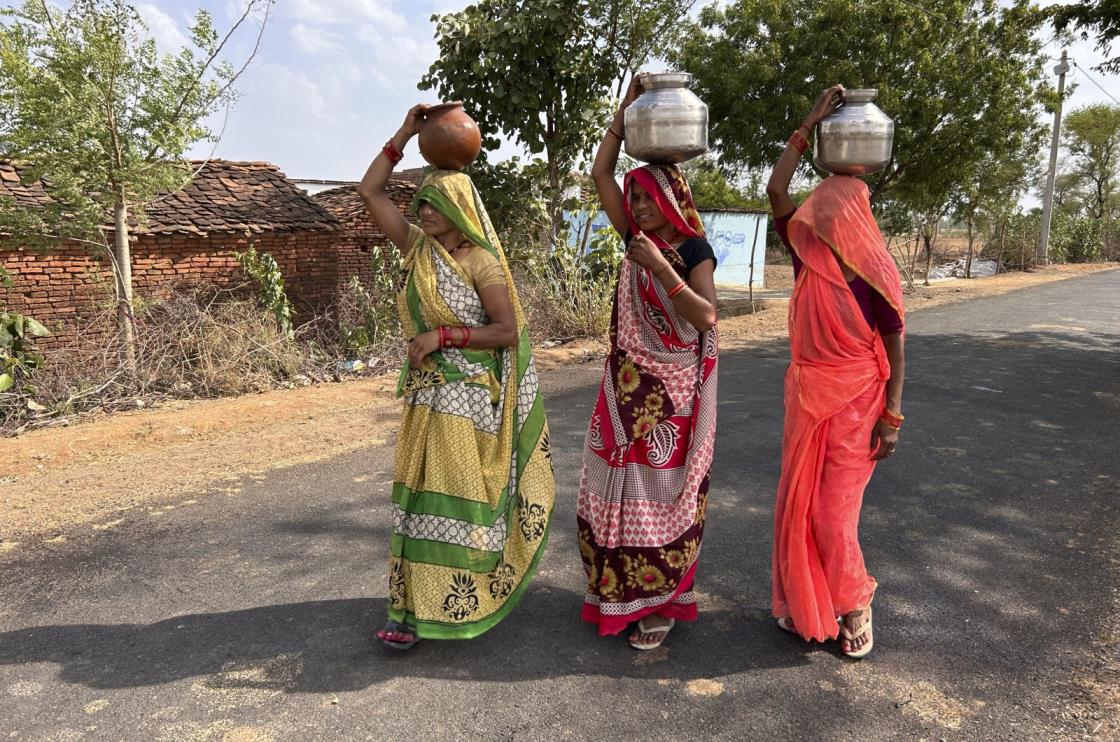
[[162, 28], [311, 40], [396, 60], [348, 12]]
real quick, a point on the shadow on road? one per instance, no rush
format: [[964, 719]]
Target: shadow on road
[[989, 532]]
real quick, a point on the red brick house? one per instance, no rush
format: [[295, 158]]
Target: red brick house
[[190, 238], [359, 235]]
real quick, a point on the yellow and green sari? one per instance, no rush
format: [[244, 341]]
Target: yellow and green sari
[[473, 486]]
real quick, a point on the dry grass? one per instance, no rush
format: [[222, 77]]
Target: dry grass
[[203, 344]]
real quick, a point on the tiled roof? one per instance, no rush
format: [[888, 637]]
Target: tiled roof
[[223, 196], [345, 203], [413, 175]]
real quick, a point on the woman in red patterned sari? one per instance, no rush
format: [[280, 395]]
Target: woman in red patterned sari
[[649, 444], [843, 396]]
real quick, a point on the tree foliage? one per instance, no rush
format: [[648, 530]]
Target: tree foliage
[[1092, 136], [93, 112], [963, 80], [540, 71], [711, 188], [1100, 17]]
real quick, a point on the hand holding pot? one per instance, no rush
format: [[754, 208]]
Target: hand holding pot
[[414, 119], [633, 91], [827, 102]]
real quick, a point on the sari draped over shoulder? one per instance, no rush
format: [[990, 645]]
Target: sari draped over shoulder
[[473, 484], [834, 393], [649, 445]]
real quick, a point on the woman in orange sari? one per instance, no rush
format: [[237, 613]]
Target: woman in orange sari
[[843, 396]]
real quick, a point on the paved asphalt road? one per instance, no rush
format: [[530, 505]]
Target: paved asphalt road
[[245, 615]]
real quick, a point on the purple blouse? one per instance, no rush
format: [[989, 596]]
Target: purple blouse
[[876, 310]]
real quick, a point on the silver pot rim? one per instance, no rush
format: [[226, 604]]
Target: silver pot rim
[[860, 95], [658, 80]]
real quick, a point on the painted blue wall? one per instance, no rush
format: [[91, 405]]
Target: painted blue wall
[[732, 235]]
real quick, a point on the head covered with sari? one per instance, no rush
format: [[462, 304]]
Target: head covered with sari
[[835, 392], [667, 186], [650, 442], [453, 194], [473, 486]]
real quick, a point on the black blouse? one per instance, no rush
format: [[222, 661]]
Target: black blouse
[[690, 253]]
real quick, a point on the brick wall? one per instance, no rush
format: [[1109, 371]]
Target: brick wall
[[66, 287], [360, 237]]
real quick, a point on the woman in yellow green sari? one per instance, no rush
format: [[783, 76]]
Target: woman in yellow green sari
[[473, 485]]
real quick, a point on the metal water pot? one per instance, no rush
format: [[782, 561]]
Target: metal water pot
[[856, 138], [667, 124]]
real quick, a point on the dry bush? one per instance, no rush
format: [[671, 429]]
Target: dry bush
[[202, 343], [568, 296]]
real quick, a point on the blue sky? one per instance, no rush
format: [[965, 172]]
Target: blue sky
[[334, 77]]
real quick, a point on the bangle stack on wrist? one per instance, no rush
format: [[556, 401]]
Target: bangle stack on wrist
[[798, 141], [448, 339], [392, 152], [892, 418]]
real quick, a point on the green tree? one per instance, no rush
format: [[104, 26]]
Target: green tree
[[1097, 16], [540, 71], [990, 193], [963, 79], [1092, 136], [711, 188], [102, 121]]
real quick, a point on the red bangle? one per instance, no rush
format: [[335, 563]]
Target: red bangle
[[677, 289], [392, 152], [443, 337], [798, 141], [466, 337], [894, 419]]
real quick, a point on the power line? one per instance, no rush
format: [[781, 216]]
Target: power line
[[1093, 80]]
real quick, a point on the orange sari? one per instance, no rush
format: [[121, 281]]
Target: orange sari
[[835, 390]]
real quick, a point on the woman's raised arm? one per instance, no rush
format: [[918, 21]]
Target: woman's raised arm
[[777, 189], [606, 158], [372, 188]]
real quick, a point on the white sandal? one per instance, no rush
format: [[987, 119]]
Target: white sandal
[[662, 631], [865, 629], [785, 623]]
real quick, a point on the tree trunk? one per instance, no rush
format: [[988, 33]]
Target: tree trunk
[[1002, 243], [927, 240], [122, 277], [555, 204], [968, 258]]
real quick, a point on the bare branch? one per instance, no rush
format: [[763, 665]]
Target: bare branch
[[249, 7]]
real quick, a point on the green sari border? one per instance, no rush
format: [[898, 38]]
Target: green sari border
[[449, 506], [439, 630], [443, 554]]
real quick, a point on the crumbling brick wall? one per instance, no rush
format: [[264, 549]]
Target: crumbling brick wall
[[66, 287]]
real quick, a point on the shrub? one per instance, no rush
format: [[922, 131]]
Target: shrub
[[1078, 241]]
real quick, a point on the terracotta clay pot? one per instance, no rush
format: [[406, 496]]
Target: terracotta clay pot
[[450, 139]]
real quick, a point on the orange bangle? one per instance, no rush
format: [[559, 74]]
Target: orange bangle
[[677, 289], [894, 419]]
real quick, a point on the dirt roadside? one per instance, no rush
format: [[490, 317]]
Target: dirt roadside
[[92, 472]]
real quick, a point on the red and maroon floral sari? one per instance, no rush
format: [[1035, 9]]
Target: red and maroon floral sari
[[648, 452]]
